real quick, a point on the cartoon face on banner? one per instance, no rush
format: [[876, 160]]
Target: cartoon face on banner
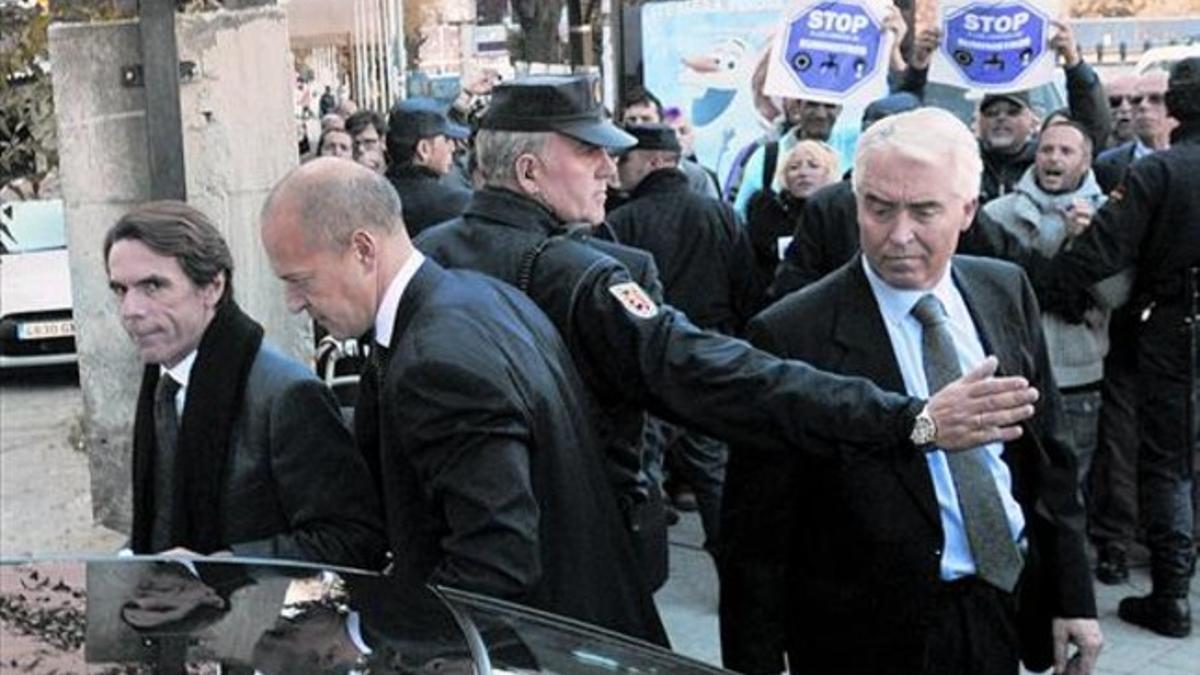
[[832, 47]]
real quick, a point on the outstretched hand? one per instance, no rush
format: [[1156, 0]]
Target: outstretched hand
[[980, 408]]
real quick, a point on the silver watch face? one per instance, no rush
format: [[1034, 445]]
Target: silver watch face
[[924, 430]]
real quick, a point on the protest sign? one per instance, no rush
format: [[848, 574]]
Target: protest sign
[[995, 45], [834, 52]]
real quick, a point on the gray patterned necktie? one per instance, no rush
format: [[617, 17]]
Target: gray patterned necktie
[[166, 439], [997, 559]]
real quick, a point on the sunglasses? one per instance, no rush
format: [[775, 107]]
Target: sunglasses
[[1136, 100]]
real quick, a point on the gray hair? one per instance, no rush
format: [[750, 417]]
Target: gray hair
[[497, 152], [331, 209], [929, 135]]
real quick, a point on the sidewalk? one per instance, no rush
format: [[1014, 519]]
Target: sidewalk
[[688, 604]]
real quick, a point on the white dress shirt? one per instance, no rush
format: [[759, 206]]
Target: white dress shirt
[[385, 316], [905, 331], [181, 372]]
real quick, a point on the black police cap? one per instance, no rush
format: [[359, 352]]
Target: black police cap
[[568, 104], [654, 137], [416, 118]]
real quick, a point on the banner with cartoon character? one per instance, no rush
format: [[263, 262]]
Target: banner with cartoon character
[[995, 45], [707, 60], [835, 51]]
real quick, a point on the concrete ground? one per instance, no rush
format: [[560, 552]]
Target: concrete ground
[[45, 507], [688, 604]]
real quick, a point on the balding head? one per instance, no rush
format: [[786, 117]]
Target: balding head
[[330, 198], [335, 236]]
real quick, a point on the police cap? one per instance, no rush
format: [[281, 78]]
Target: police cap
[[568, 104], [654, 137], [416, 118]]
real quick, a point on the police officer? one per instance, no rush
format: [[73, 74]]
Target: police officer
[[1152, 220], [543, 148]]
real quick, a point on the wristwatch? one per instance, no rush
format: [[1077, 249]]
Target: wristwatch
[[924, 430]]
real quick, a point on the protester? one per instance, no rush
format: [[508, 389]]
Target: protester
[[1052, 204], [1151, 126], [473, 419], [236, 447], [775, 217]]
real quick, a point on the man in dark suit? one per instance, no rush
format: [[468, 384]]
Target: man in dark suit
[[930, 562], [237, 448], [476, 422]]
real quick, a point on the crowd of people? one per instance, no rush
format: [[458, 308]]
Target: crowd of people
[[905, 400]]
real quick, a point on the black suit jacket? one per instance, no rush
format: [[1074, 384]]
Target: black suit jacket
[[491, 475], [867, 537]]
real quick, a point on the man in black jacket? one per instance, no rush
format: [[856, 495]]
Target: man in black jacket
[[237, 447], [473, 416], [420, 145]]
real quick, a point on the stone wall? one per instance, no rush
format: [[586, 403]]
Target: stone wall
[[239, 139]]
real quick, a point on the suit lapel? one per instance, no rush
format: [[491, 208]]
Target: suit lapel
[[860, 331], [991, 322], [413, 298]]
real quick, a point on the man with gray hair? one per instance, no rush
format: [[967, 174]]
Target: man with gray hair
[[930, 562], [543, 147], [471, 413]]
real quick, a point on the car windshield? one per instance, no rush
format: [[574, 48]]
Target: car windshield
[[32, 226]]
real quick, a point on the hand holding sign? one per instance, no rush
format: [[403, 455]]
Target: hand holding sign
[[1063, 43], [995, 45]]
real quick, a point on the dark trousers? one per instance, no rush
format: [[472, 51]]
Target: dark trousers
[[1168, 446], [973, 630], [1112, 484], [966, 627]]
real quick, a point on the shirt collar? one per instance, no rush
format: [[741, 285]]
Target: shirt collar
[[897, 303], [1140, 149], [181, 372], [385, 318]]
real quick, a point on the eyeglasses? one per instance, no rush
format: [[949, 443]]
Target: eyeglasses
[[1136, 100]]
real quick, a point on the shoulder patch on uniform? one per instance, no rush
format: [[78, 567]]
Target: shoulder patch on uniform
[[635, 300]]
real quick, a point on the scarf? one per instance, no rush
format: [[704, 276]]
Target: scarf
[[214, 400]]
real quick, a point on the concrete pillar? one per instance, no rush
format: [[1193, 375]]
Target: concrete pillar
[[239, 139]]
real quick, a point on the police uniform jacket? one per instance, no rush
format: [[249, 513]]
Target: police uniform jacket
[[632, 349], [700, 250]]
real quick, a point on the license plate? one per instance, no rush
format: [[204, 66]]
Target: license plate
[[45, 330]]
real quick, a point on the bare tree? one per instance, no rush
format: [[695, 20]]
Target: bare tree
[[538, 40]]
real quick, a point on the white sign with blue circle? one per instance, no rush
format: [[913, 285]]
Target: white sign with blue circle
[[995, 45], [831, 51]]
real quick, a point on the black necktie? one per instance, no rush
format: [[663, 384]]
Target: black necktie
[[997, 559], [166, 441]]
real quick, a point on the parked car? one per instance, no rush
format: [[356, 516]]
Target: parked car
[[127, 614], [36, 327]]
